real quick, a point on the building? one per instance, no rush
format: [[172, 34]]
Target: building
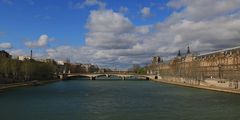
[[222, 66], [51, 61], [4, 54], [22, 58], [156, 60], [89, 68], [60, 62], [153, 68]]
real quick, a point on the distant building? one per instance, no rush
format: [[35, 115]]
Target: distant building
[[156, 60], [153, 68], [222, 65], [52, 61], [60, 62], [82, 68], [4, 54], [87, 67], [22, 58]]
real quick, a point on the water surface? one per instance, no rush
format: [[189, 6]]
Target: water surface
[[117, 100]]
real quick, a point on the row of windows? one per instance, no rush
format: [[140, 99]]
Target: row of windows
[[231, 52]]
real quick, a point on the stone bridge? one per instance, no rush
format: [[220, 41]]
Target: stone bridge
[[122, 76]]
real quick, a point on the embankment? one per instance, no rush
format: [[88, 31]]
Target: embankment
[[22, 84], [199, 85]]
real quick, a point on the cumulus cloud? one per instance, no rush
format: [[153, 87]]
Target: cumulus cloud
[[87, 3], [109, 30], [143, 29], [145, 12], [41, 42], [114, 40], [17, 52], [203, 9], [20, 52], [5, 45]]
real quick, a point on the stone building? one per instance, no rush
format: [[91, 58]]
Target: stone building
[[222, 66], [83, 68], [156, 59], [23, 58], [153, 68]]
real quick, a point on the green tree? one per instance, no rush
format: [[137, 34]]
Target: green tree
[[15, 69], [25, 70]]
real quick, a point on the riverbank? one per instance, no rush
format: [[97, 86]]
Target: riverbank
[[213, 88], [23, 84]]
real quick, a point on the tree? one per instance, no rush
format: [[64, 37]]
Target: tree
[[136, 67], [26, 70], [15, 69]]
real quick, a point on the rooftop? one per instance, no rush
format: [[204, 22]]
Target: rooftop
[[219, 51]]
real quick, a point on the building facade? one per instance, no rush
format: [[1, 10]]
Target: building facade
[[23, 58], [222, 66], [153, 68]]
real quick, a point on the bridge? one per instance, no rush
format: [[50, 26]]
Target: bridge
[[93, 76]]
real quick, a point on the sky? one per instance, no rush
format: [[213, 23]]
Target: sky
[[117, 33]]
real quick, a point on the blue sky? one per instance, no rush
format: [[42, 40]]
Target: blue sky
[[123, 32], [28, 19]]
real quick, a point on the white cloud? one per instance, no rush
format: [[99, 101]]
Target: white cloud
[[145, 12], [143, 29], [114, 40], [41, 42], [204, 9], [5, 45], [21, 52], [17, 52], [108, 21], [109, 30]]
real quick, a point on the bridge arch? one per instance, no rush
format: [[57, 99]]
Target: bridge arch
[[77, 76], [101, 75], [123, 76]]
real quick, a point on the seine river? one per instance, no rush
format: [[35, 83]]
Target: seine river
[[116, 100]]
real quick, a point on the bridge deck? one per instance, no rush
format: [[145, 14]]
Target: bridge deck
[[123, 76]]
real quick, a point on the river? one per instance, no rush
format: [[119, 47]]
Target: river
[[112, 99]]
